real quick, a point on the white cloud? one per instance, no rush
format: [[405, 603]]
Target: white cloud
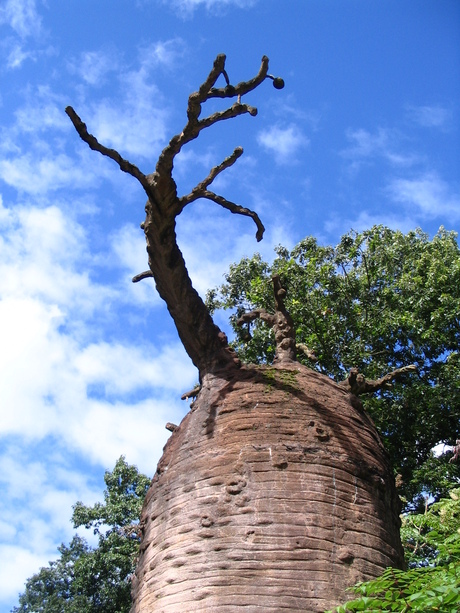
[[63, 398], [43, 111], [37, 174], [22, 16], [137, 124], [429, 194], [430, 116], [93, 66], [186, 8], [17, 55], [282, 142], [35, 511], [163, 53], [128, 245], [383, 143], [341, 224]]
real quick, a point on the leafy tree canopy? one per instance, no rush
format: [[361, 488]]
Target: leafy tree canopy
[[378, 301], [94, 579]]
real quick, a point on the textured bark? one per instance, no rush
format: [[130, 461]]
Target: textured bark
[[274, 493], [204, 342], [357, 384]]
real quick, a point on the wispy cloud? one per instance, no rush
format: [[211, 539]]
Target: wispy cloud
[[366, 146], [340, 224], [93, 66], [71, 393], [22, 16], [431, 116], [137, 124], [186, 8], [429, 194], [163, 53], [283, 142]]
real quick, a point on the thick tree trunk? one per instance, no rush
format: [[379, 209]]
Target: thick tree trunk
[[274, 493]]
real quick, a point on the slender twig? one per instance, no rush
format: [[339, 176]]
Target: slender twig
[[201, 187], [237, 209], [143, 275], [95, 145]]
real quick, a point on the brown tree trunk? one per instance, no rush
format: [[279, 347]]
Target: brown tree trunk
[[274, 493]]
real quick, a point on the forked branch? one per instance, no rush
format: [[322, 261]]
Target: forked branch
[[280, 321], [357, 384], [202, 339], [95, 145]]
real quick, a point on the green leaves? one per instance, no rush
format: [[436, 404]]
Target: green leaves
[[94, 580], [378, 300]]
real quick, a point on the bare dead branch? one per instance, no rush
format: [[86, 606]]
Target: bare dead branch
[[243, 87], [456, 451], [204, 93], [216, 170], [201, 191], [95, 145], [251, 316], [143, 275], [237, 209], [280, 321], [307, 352], [357, 384], [191, 393], [202, 339]]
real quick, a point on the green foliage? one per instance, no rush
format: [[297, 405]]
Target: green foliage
[[377, 301], [432, 543], [94, 579]]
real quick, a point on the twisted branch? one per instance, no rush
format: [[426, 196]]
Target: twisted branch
[[95, 145], [357, 384], [202, 339], [280, 321]]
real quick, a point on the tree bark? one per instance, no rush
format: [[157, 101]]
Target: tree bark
[[204, 342], [273, 494]]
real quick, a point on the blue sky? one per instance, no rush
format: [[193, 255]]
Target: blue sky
[[366, 131]]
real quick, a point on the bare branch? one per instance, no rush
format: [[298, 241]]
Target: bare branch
[[204, 93], [307, 352], [244, 86], [95, 145], [237, 209], [280, 321], [357, 384], [251, 316], [202, 339], [191, 393], [201, 187], [143, 275], [192, 130]]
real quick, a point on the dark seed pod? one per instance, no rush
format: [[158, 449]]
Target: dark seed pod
[[278, 83]]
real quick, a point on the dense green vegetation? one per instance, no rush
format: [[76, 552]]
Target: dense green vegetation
[[378, 301], [87, 579]]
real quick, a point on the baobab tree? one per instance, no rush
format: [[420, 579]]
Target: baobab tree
[[275, 492]]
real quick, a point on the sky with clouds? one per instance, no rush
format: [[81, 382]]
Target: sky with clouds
[[366, 131]]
